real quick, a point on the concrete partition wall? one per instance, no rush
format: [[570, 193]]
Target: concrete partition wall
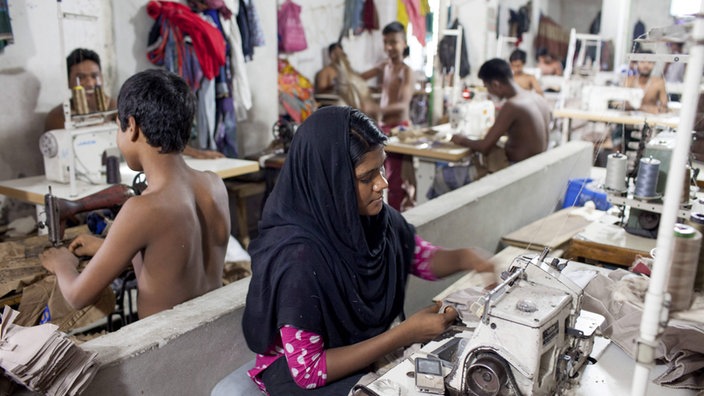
[[186, 350]]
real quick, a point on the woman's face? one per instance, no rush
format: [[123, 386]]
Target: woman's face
[[371, 183]]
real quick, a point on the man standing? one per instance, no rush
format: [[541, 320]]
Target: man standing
[[524, 118]]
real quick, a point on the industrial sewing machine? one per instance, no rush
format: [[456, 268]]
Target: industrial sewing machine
[[78, 152], [472, 118], [600, 98], [59, 210], [643, 217], [532, 337]]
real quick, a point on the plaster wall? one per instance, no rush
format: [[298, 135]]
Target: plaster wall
[[187, 349]]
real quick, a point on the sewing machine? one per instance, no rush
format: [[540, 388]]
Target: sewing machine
[[59, 210], [543, 306], [69, 153], [600, 98], [528, 336], [472, 118]]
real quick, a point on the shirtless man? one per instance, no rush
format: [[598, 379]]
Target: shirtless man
[[396, 93], [175, 233], [524, 80], [83, 66], [523, 118], [548, 65], [654, 92], [325, 79]]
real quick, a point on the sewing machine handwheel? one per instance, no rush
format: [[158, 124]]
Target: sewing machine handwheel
[[648, 220], [486, 376]]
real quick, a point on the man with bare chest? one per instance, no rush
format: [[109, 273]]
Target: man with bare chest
[[524, 118], [654, 92]]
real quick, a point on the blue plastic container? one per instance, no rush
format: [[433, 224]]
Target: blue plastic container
[[575, 197]]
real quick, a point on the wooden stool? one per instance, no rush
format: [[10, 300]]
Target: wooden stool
[[242, 190]]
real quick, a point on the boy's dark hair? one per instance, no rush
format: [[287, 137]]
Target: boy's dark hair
[[397, 27], [495, 70], [364, 136], [162, 105], [79, 55], [333, 46], [542, 52], [517, 55]]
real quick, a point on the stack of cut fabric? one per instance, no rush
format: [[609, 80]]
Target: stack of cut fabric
[[44, 359]]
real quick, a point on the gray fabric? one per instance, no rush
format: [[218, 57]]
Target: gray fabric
[[237, 383], [619, 298]]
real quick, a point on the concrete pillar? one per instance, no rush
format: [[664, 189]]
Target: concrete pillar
[[614, 20]]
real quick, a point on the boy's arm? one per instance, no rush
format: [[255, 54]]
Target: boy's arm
[[536, 85], [373, 72], [501, 125], [126, 237]]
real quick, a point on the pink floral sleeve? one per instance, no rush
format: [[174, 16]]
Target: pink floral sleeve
[[421, 261]]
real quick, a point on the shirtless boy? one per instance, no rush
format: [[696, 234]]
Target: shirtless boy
[[524, 80], [654, 92], [548, 65], [396, 93], [524, 118], [175, 233]]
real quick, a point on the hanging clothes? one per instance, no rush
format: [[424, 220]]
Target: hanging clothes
[[352, 20], [167, 47], [255, 25], [410, 11], [208, 43], [6, 36], [447, 48], [295, 92], [224, 135], [240, 83], [370, 17]]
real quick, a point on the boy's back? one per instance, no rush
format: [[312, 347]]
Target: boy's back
[[175, 233], [528, 130], [186, 230]]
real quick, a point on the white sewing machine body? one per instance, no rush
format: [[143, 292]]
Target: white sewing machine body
[[597, 98], [79, 150], [532, 338], [472, 118]]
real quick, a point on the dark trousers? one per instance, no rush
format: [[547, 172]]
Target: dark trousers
[[279, 382]]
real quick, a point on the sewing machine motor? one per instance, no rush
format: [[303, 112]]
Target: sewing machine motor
[[79, 150], [533, 337]]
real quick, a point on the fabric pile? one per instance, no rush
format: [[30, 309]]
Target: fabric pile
[[43, 359], [619, 298]]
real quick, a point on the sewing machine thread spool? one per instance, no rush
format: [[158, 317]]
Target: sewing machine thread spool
[[685, 256], [616, 166], [112, 169], [80, 103], [100, 98], [696, 220], [647, 179]]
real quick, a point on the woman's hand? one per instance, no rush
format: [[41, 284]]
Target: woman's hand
[[427, 324], [85, 245], [53, 258]]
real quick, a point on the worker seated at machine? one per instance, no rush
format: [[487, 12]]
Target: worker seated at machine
[[524, 118], [175, 233]]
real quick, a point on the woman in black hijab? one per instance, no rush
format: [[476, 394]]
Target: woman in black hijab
[[330, 264]]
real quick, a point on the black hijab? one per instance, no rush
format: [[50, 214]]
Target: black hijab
[[317, 264]]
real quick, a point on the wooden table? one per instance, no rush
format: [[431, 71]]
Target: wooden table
[[608, 243], [439, 151], [553, 231], [33, 189], [614, 117]]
